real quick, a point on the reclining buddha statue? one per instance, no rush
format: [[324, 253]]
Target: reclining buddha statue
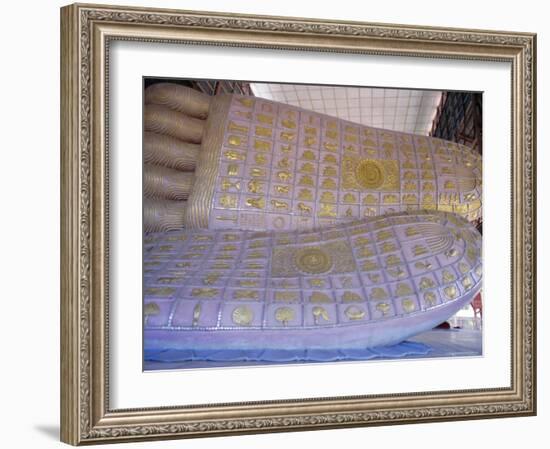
[[233, 161], [274, 227], [358, 284]]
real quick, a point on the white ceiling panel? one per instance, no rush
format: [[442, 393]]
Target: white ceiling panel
[[410, 111]]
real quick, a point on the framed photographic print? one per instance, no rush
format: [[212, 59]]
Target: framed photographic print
[[292, 224]]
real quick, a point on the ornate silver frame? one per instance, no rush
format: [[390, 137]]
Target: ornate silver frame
[[87, 31]]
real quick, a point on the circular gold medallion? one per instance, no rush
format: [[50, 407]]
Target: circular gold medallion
[[312, 261], [242, 315], [369, 174]]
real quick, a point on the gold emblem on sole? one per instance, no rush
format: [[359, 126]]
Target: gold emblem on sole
[[369, 174], [312, 261], [242, 316]]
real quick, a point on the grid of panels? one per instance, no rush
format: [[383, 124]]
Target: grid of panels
[[301, 170], [200, 279], [404, 110]]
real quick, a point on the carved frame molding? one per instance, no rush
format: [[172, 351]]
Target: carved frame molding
[[87, 31]]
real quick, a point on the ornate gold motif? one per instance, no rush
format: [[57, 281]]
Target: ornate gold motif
[[319, 297], [242, 316], [318, 283], [448, 277], [388, 247], [349, 198], [151, 309], [428, 187], [390, 199], [287, 136], [319, 313], [203, 238], [263, 118], [246, 101], [160, 291], [283, 163], [410, 198], [383, 235], [255, 186], [304, 208], [248, 283], [232, 170], [234, 141], [409, 186], [282, 189], [408, 305], [355, 313], [369, 174], [330, 159], [376, 174], [196, 314], [305, 195], [258, 203], [261, 145], [479, 270], [284, 176], [279, 204], [227, 184], [234, 156], [369, 265], [419, 250], [312, 260], [258, 172], [375, 277], [397, 272], [451, 252], [327, 210], [366, 252], [289, 123], [328, 183], [378, 293], [243, 114], [221, 266], [370, 199], [430, 299], [328, 197], [383, 308], [423, 265], [260, 159], [237, 128], [211, 278], [360, 241], [307, 167], [426, 283], [262, 131], [467, 283], [168, 280], [246, 294], [403, 290], [451, 292], [284, 314], [351, 297], [286, 296], [205, 292]]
